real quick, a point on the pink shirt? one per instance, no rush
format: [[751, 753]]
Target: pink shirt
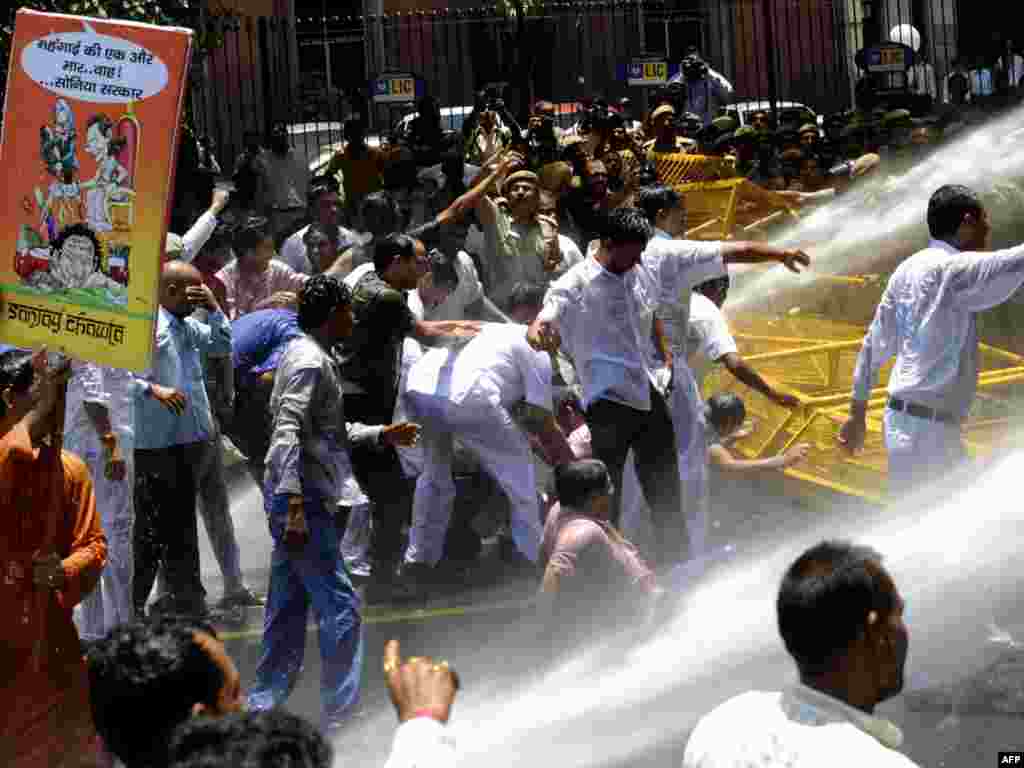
[[245, 292], [570, 536]]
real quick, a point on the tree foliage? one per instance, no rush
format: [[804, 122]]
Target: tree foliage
[[163, 12]]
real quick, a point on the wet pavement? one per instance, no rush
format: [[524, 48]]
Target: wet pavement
[[482, 623]]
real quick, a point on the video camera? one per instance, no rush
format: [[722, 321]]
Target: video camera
[[694, 67]]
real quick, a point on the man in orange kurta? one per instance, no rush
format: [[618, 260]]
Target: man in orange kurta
[[52, 551]]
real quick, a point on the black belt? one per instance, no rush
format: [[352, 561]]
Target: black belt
[[922, 412]]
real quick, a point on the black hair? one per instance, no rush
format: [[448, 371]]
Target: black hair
[[16, 373], [647, 175], [947, 208], [390, 249], [144, 679], [656, 199], [625, 225], [315, 232], [824, 601], [725, 408], [354, 128], [383, 210], [442, 268], [321, 185], [250, 233], [81, 230], [223, 235], [526, 295], [713, 287], [265, 739], [319, 298], [579, 481]]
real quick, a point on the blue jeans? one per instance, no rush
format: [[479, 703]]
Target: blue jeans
[[316, 577]]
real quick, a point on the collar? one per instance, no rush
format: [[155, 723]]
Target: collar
[[885, 732], [661, 234], [943, 246], [171, 320]]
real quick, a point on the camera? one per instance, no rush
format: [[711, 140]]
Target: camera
[[694, 67]]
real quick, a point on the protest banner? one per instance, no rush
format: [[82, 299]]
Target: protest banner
[[89, 144]]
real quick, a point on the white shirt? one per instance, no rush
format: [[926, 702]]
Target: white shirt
[[705, 263], [422, 743], [708, 333], [498, 366], [797, 728], [466, 293], [606, 320], [926, 319], [295, 254]]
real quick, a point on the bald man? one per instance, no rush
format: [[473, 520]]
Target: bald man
[[173, 421]]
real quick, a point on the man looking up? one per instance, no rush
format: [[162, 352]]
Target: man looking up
[[926, 319]]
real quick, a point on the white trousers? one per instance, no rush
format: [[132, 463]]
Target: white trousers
[[489, 431], [920, 450], [689, 425], [110, 603]]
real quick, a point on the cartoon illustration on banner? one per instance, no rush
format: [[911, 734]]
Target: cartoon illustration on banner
[[89, 142]]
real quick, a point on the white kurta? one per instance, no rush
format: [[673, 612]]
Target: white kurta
[[469, 394], [110, 603], [798, 728]]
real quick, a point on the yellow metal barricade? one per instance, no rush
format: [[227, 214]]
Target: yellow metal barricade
[[813, 358], [713, 195]]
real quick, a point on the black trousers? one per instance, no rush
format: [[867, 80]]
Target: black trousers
[[379, 472], [165, 523], [614, 429]]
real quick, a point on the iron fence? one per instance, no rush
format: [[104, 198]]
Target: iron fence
[[315, 72]]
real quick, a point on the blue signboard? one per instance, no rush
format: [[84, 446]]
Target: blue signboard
[[397, 87], [647, 72], [886, 57]]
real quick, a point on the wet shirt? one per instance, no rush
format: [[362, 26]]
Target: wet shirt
[[926, 319], [46, 719], [309, 447], [178, 363], [606, 320], [799, 728], [498, 366], [370, 358], [259, 339]]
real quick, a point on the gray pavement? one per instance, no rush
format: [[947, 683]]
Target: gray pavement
[[483, 624]]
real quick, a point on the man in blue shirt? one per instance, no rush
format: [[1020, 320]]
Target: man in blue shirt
[[172, 411], [258, 341]]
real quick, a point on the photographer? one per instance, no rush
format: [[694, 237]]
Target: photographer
[[490, 135], [707, 91], [542, 138]]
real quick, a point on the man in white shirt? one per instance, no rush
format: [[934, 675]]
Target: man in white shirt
[[841, 618], [325, 210], [471, 393], [927, 320], [603, 311]]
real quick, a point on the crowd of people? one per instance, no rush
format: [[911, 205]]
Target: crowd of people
[[524, 303]]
